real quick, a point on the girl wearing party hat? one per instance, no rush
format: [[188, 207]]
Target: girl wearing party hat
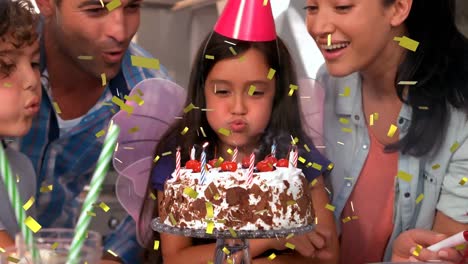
[[240, 52], [20, 94]]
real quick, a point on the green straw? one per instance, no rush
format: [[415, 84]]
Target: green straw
[[16, 203], [93, 194]]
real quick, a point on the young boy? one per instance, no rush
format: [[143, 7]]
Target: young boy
[[20, 95]]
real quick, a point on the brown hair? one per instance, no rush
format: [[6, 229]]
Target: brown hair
[[18, 22]]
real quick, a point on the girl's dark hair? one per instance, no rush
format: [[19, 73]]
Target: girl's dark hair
[[440, 65], [18, 22], [285, 118]]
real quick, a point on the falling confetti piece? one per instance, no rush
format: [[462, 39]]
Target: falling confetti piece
[[226, 251], [329, 40], [57, 108], [156, 245], [112, 253], [314, 182], [371, 120], [54, 246], [392, 130], [330, 166], [405, 176], [134, 130], [301, 159], [347, 129], [289, 236], [13, 259], [209, 57], [233, 233], [2, 250], [136, 98], [166, 153], [291, 202], [292, 88], [104, 207], [210, 262], [317, 166], [271, 74], [290, 245], [186, 129], [344, 120], [156, 159], [152, 196], [203, 132], [347, 92], [29, 203], [272, 256], [8, 85], [85, 57], [103, 79], [376, 116], [252, 90], [122, 105], [189, 108], [265, 2], [190, 192], [233, 51], [423, 108], [150, 63], [100, 133], [346, 219], [460, 247], [89, 213], [330, 207], [224, 131], [32, 224], [113, 5], [229, 151], [306, 148], [417, 250], [355, 217], [209, 210], [436, 166], [352, 206], [219, 161], [407, 43], [171, 217], [407, 83], [463, 181], [454, 147], [46, 189], [420, 198]]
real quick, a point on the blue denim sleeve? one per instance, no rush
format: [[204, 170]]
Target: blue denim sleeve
[[124, 243], [162, 171]]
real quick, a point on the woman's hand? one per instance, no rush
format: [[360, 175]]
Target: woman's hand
[[404, 247]]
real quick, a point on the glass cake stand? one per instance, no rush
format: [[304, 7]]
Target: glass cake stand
[[229, 249]]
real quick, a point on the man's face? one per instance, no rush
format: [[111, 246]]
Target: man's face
[[87, 28]]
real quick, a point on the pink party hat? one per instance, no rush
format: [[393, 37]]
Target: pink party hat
[[249, 20]]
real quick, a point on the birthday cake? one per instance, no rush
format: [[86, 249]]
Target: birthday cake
[[273, 197]]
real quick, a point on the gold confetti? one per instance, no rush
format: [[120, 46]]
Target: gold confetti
[[156, 159], [2, 250], [45, 189], [54, 246], [171, 217], [306, 148], [417, 250], [314, 182], [301, 159], [355, 217], [454, 147], [104, 207], [57, 108], [265, 2], [329, 40], [289, 236], [100, 133], [91, 213], [407, 82], [122, 105], [330, 207], [113, 5], [420, 198], [405, 176], [423, 108], [13, 259], [346, 129], [273, 255], [143, 62], [209, 210], [292, 88], [29, 203], [347, 92], [134, 130], [463, 181], [229, 151], [291, 202], [460, 247], [156, 245], [436, 166], [210, 262], [32, 224], [136, 98], [290, 245], [261, 212], [103, 79], [85, 57], [189, 108], [346, 219], [166, 153], [330, 166], [371, 120], [209, 57], [8, 85], [186, 129], [233, 51], [226, 251], [271, 74], [242, 58], [203, 132], [252, 90], [376, 116], [344, 120], [224, 131], [112, 253], [407, 43], [219, 161], [392, 130], [190, 192], [233, 233], [317, 166]]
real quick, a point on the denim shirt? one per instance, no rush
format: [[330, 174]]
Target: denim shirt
[[442, 187]]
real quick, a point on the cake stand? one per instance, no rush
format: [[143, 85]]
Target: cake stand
[[229, 249]]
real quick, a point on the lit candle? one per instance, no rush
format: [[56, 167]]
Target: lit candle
[[273, 150], [251, 167], [203, 164], [192, 153], [177, 170]]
